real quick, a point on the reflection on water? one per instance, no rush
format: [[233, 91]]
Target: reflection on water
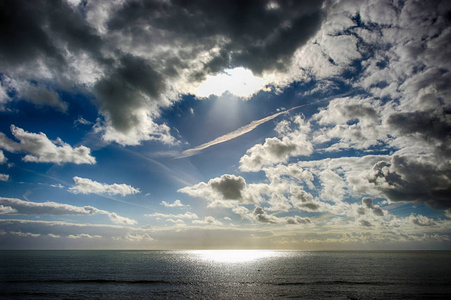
[[224, 274], [235, 256]]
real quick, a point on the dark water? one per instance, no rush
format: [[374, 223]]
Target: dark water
[[224, 275]]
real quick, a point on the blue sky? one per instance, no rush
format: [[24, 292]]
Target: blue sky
[[306, 125]]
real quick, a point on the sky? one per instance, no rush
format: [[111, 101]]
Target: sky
[[169, 124]]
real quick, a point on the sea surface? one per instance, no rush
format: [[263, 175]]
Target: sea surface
[[234, 274]]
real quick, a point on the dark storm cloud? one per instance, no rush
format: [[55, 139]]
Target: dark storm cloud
[[229, 186], [23, 36], [41, 29], [257, 35], [431, 127], [130, 64], [35, 39], [414, 180], [132, 85]]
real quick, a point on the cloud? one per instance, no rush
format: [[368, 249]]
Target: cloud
[[7, 210], [303, 200], [20, 207], [255, 45], [81, 121], [137, 237], [116, 219], [130, 98], [369, 210], [42, 149], [365, 223], [49, 208], [354, 123], [226, 191], [41, 95], [273, 151], [400, 232], [177, 203], [297, 220], [229, 186], [433, 129], [58, 186], [83, 236], [36, 39], [24, 234], [412, 179], [368, 203], [178, 222], [88, 186], [65, 228], [105, 49], [187, 215], [278, 150], [3, 159], [422, 220], [263, 217], [4, 177], [208, 221]]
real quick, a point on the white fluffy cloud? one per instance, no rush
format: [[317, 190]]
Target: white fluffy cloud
[[187, 215], [88, 186], [4, 177], [3, 159], [6, 210], [116, 219], [41, 149], [83, 236], [278, 150], [208, 221], [177, 203]]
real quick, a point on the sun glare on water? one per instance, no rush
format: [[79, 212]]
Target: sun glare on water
[[239, 82], [234, 256]]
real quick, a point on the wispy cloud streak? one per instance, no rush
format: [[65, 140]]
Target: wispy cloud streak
[[234, 134]]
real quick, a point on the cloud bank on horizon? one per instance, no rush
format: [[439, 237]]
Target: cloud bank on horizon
[[338, 134]]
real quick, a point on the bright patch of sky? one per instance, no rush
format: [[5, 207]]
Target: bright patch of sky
[[239, 82], [254, 124]]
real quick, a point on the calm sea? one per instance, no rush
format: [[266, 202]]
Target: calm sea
[[224, 275]]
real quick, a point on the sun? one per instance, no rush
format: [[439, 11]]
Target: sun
[[240, 82]]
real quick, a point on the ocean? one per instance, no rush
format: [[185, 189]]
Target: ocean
[[237, 274]]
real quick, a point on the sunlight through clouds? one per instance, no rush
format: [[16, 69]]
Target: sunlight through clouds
[[308, 125], [239, 82]]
